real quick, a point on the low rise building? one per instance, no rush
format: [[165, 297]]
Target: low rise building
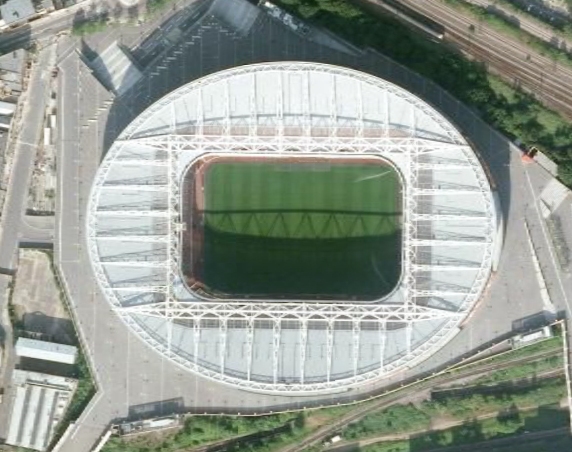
[[16, 11], [39, 402], [48, 351], [7, 108]]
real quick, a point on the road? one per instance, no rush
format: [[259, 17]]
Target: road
[[42, 28], [24, 156], [63, 20]]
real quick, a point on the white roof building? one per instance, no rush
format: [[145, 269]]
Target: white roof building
[[48, 351], [14, 11], [39, 403], [7, 108]]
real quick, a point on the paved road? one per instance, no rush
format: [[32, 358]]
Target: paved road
[[37, 230], [63, 20], [24, 155]]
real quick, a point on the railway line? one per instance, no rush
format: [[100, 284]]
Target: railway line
[[471, 370], [547, 80], [452, 375]]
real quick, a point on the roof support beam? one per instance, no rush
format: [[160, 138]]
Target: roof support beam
[[222, 340], [133, 238], [333, 108], [132, 213], [140, 264], [356, 336], [253, 110], [121, 187], [276, 336], [196, 340], [382, 344], [408, 336], [249, 346], [303, 347], [140, 162], [200, 114], [360, 124], [306, 117], [329, 348], [315, 313]]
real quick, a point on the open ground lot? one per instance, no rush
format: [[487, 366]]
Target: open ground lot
[[36, 299], [300, 228]]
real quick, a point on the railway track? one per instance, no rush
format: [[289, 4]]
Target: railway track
[[550, 82], [450, 377]]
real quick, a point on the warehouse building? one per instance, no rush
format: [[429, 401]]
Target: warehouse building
[[47, 351], [39, 403]]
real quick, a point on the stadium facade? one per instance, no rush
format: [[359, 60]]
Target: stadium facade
[[290, 346]]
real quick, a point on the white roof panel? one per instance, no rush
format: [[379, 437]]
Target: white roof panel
[[285, 109], [48, 351]]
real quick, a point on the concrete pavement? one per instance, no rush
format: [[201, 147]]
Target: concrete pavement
[[25, 154]]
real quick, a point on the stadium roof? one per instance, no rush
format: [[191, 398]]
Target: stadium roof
[[281, 109]]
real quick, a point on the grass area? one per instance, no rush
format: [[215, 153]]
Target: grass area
[[515, 113], [89, 27], [544, 346], [509, 424], [527, 370], [156, 6], [268, 433], [302, 229], [404, 418], [257, 433]]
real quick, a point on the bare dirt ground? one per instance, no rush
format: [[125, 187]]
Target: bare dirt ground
[[36, 299]]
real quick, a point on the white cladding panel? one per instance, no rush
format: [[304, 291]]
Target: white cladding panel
[[48, 351], [297, 101]]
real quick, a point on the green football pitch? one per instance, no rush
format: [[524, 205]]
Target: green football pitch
[[302, 230]]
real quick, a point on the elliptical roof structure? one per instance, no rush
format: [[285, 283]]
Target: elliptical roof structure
[[449, 224]]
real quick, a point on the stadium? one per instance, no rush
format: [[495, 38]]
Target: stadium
[[292, 228]]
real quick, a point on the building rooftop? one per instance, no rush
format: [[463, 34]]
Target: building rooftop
[[38, 404], [49, 351], [16, 10], [115, 69]]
